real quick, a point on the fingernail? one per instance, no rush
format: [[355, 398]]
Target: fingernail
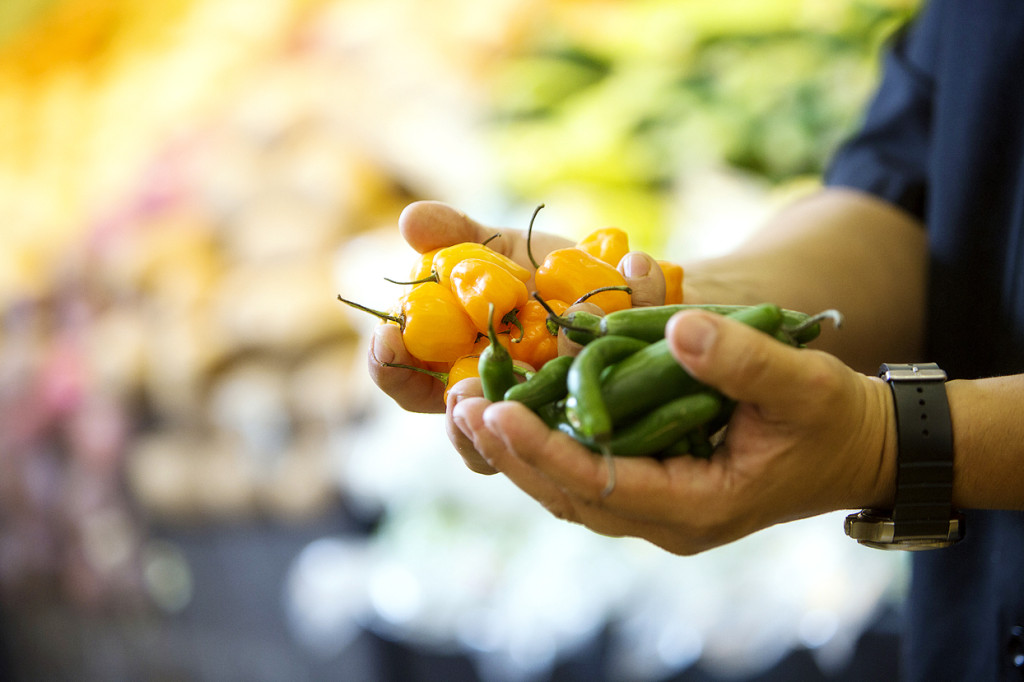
[[382, 352], [463, 425], [696, 334], [634, 265]]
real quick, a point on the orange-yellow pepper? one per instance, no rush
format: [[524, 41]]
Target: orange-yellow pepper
[[482, 341], [673, 281], [449, 374], [435, 326], [424, 266], [464, 368], [478, 283], [535, 345], [570, 273], [609, 244], [446, 259]]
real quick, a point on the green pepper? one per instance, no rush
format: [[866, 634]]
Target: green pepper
[[585, 406], [546, 385], [648, 323], [497, 373]]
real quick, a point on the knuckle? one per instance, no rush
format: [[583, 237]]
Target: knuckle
[[754, 359], [561, 510], [824, 379]]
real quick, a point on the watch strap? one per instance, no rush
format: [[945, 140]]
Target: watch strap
[[923, 504], [922, 516]]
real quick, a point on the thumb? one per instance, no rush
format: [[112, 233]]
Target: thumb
[[742, 362], [428, 225], [644, 277]]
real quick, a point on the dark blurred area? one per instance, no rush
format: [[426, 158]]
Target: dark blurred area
[[197, 481]]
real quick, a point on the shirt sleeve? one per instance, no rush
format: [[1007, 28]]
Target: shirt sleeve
[[888, 155]]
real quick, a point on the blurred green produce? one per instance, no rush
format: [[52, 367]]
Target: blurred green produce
[[617, 101]]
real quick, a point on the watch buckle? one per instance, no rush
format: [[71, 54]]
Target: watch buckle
[[878, 531]]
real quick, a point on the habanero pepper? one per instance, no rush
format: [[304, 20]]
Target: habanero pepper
[[608, 244], [673, 281], [570, 273], [423, 268], [482, 286], [465, 367], [536, 345], [447, 258], [435, 326]]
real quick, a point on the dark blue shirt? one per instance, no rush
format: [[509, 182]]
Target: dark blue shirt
[[944, 140]]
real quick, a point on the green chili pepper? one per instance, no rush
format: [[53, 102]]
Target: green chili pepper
[[665, 425], [546, 385], [648, 323], [645, 379], [497, 373], [667, 429], [700, 442], [585, 405]]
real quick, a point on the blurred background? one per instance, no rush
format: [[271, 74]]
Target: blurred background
[[197, 481]]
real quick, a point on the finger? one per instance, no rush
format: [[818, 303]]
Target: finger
[[644, 277], [413, 391], [470, 418], [742, 362], [571, 466], [464, 390], [641, 483], [567, 346], [428, 225], [570, 481]]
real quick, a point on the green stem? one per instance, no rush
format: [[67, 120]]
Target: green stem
[[554, 317], [432, 277], [399, 320], [618, 287], [529, 237], [440, 376]]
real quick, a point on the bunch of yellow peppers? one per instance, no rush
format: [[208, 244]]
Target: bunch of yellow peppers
[[446, 313]]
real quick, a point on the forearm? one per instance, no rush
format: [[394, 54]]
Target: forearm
[[988, 442], [835, 249]]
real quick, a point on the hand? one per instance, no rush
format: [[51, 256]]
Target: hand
[[428, 225], [808, 436]]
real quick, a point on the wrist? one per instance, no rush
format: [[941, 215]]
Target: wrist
[[882, 452], [921, 515]]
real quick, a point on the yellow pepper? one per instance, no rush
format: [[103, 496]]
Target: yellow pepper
[[446, 259], [464, 368], [570, 273], [609, 244], [424, 266], [478, 283], [673, 281], [535, 345], [450, 374], [435, 327]]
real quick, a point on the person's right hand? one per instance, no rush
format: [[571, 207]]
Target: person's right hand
[[428, 225]]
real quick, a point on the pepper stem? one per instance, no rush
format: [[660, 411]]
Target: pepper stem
[[440, 376], [529, 237], [432, 277], [399, 320], [618, 287], [557, 319], [512, 318]]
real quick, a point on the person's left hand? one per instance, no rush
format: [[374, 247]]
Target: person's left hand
[[808, 436]]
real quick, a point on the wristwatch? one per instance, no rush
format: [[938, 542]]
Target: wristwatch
[[922, 516]]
